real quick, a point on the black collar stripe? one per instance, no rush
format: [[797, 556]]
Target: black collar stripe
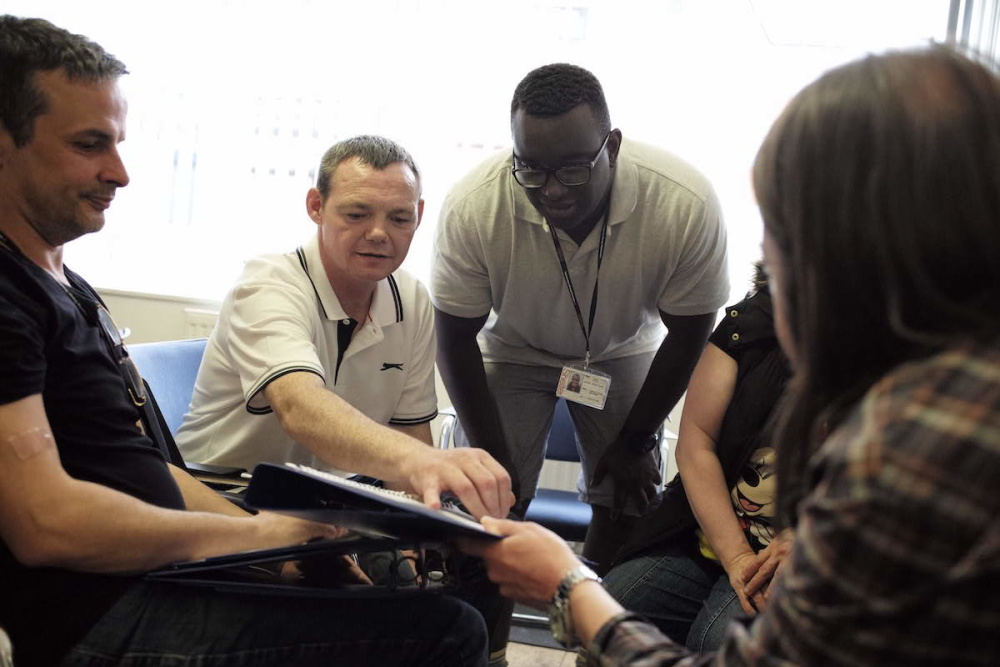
[[305, 267], [396, 298]]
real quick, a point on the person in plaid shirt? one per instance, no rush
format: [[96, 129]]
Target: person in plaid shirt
[[879, 187]]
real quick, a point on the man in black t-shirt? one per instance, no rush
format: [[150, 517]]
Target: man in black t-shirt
[[87, 501]]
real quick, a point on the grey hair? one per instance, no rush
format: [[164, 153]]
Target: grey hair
[[374, 151]]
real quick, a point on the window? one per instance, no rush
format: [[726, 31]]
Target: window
[[232, 103]]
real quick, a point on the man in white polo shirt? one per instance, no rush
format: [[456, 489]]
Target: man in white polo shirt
[[317, 350]]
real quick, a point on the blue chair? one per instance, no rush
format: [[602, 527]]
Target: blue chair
[[558, 510], [170, 368]]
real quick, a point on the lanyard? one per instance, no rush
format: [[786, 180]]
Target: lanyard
[[569, 282]]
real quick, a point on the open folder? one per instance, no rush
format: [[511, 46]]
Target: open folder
[[319, 496], [382, 520]]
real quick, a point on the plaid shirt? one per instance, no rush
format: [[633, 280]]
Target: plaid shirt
[[897, 552]]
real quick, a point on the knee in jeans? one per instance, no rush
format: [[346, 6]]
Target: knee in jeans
[[709, 628]]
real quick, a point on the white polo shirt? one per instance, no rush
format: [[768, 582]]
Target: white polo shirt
[[284, 317], [666, 250]]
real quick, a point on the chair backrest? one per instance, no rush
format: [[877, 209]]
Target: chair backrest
[[561, 445], [170, 367]]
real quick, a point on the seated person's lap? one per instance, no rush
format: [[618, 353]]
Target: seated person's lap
[[683, 593], [176, 620]]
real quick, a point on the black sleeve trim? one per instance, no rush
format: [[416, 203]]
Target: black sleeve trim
[[413, 422], [268, 380]]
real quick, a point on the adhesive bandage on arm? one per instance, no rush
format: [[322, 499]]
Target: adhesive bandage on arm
[[31, 443]]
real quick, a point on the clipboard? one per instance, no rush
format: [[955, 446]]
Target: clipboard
[[244, 572], [382, 520], [319, 496]]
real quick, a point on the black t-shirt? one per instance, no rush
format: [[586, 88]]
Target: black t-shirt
[[747, 335], [52, 345]]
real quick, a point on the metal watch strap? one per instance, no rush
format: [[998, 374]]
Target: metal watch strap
[[560, 619]]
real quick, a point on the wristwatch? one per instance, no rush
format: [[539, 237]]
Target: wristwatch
[[642, 442], [560, 619]]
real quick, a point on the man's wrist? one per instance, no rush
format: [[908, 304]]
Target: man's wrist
[[560, 616], [640, 442]]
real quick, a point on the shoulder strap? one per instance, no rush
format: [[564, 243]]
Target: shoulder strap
[[157, 430]]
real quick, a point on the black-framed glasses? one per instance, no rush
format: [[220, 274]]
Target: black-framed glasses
[[97, 315], [573, 175], [127, 367]]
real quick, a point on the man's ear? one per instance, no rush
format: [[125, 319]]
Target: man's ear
[[420, 211], [314, 205]]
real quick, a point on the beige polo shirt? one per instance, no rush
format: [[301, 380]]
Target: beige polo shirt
[[666, 250]]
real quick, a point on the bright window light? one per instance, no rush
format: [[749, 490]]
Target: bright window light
[[232, 103]]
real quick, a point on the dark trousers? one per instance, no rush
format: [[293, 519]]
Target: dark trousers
[[160, 625]]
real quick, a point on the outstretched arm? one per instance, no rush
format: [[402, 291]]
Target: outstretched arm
[[529, 564], [421, 432], [50, 519], [344, 437], [199, 498]]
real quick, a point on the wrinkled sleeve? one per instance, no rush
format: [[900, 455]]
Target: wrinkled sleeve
[[700, 283], [627, 639], [271, 324], [460, 281]]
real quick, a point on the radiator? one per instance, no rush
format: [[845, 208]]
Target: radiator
[[198, 323], [560, 475]]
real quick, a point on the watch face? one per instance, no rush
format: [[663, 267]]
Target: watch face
[[645, 443]]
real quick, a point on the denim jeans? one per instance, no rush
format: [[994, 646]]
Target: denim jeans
[[161, 625], [687, 596]]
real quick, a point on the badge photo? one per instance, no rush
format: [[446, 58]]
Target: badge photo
[[585, 386]]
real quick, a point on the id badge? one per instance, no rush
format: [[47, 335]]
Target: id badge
[[585, 386]]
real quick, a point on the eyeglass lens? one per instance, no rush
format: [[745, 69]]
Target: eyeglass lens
[[569, 176], [133, 379], [109, 327]]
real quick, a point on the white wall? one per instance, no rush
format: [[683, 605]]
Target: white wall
[[149, 317]]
